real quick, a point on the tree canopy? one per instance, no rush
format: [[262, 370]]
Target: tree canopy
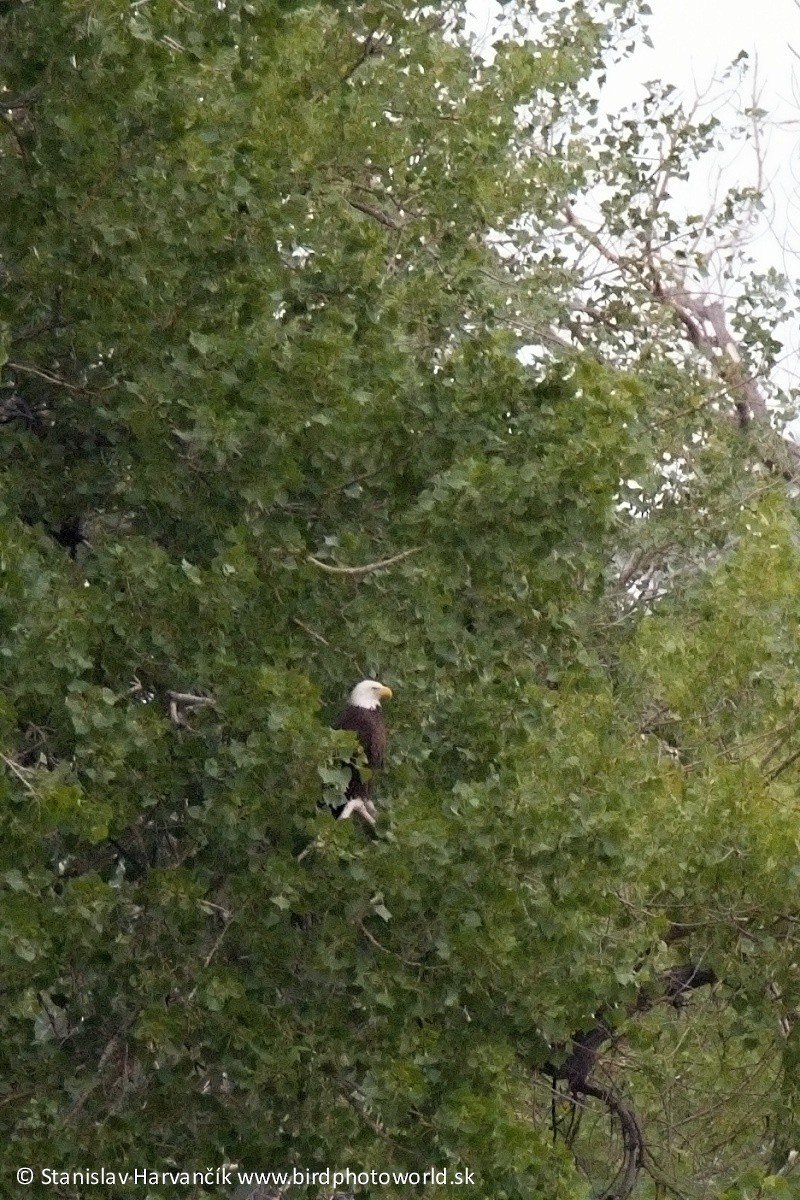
[[266, 430]]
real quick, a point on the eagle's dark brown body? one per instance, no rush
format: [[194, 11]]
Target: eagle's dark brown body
[[366, 721], [370, 728]]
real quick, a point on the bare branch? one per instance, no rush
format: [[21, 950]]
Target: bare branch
[[676, 984], [383, 949], [110, 1048], [26, 369], [704, 320], [377, 214], [593, 238], [367, 568], [372, 46], [312, 633], [632, 1138], [181, 702], [783, 766], [18, 771], [708, 329], [212, 953]]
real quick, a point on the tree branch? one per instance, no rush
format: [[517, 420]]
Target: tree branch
[[17, 770], [408, 962], [632, 1139], [23, 100], [110, 1048], [312, 633], [367, 568], [704, 321], [676, 983], [787, 762], [179, 702], [228, 920], [25, 369], [377, 214]]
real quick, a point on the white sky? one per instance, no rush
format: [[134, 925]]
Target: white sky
[[694, 41]]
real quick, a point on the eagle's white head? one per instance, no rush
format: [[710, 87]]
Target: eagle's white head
[[369, 693]]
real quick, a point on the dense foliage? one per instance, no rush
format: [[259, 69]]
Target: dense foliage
[[265, 431]]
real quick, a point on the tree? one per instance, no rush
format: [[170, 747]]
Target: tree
[[251, 349], [266, 430]]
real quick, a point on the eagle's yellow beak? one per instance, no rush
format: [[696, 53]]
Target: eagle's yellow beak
[[385, 693]]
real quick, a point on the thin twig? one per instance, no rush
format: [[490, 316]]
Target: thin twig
[[372, 46], [367, 567], [407, 962], [24, 369], [315, 845], [377, 214], [22, 150], [111, 1046], [311, 632], [18, 771], [783, 766], [210, 956]]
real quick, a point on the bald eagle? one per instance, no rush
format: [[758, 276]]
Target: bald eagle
[[364, 718]]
